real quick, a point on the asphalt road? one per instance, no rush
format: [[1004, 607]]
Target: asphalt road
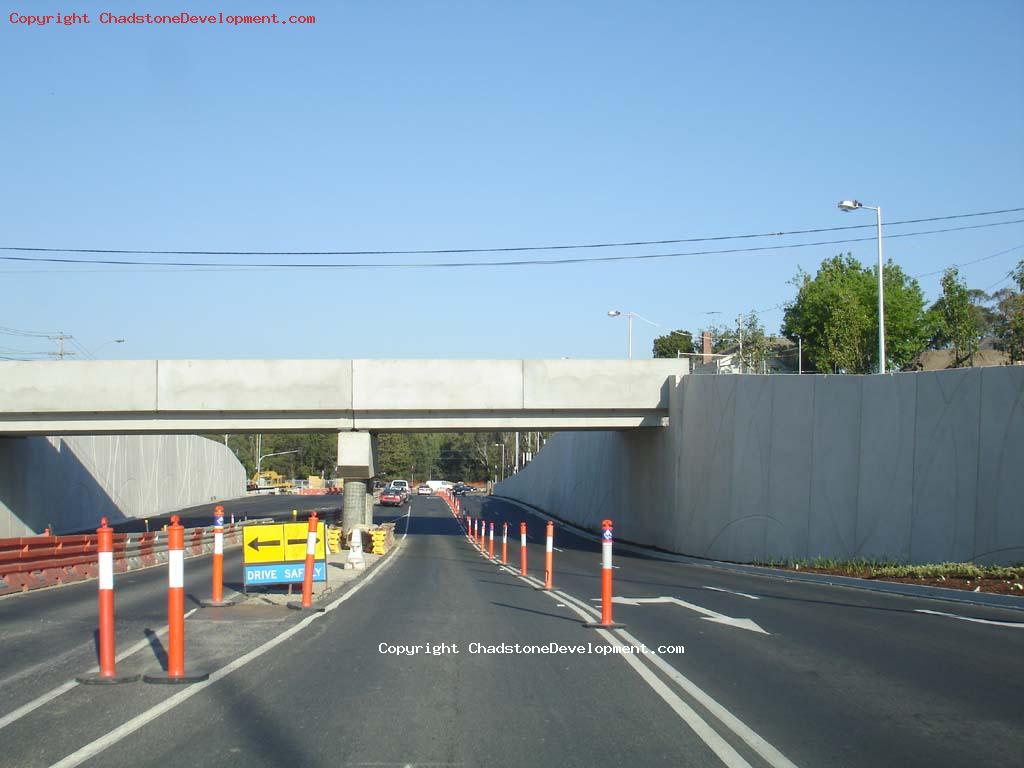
[[817, 676]]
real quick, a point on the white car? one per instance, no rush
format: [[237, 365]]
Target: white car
[[424, 490], [402, 486]]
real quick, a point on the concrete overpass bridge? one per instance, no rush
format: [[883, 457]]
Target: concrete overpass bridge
[[354, 398], [232, 396]]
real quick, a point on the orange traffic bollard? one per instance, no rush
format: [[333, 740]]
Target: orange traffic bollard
[[606, 580], [307, 573], [490, 549], [176, 610], [217, 591], [522, 548], [549, 544], [105, 551], [504, 543]]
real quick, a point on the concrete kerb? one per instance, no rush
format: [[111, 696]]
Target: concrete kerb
[[987, 600]]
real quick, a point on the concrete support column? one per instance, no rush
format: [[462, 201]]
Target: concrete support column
[[353, 508]]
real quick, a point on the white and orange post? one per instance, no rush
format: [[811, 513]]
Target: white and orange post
[[176, 610], [105, 557], [307, 572], [522, 549], [606, 580], [504, 543], [549, 545], [217, 591], [490, 548]]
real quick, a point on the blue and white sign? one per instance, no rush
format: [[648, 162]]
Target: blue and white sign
[[607, 535], [282, 573], [218, 521]]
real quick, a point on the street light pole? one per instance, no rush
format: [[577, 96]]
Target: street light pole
[[629, 327], [259, 461], [799, 353], [852, 205], [502, 444]]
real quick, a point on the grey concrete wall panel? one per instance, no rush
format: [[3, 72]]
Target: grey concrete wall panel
[[597, 384], [749, 515], [789, 487], [709, 420], [922, 467], [255, 385], [835, 469], [946, 465], [999, 528], [437, 385], [885, 495], [93, 386], [71, 482]]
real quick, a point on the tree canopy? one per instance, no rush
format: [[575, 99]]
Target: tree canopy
[[835, 313]]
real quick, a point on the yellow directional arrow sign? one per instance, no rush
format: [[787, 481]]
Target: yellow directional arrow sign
[[263, 543], [295, 541]]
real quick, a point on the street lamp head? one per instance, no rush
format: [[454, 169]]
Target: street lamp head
[[849, 205], [613, 313]]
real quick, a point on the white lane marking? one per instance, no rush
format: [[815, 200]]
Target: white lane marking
[[1010, 624], [126, 729], [708, 614], [724, 751], [732, 592], [36, 703], [773, 756]]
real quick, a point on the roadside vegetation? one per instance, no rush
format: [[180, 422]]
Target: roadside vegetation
[[978, 578]]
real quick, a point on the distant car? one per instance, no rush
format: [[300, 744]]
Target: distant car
[[424, 490], [402, 486], [392, 497], [461, 489]]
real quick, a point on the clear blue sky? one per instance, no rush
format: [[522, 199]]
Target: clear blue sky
[[410, 125]]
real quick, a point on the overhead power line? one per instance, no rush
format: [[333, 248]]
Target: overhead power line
[[471, 264], [438, 251]]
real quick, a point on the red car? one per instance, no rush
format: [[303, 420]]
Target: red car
[[391, 497]]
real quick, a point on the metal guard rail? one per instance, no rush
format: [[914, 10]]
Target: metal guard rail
[[35, 562]]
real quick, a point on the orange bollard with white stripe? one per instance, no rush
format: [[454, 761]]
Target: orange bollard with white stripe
[[549, 544], [307, 573], [522, 549], [504, 543], [490, 549], [217, 592], [606, 580], [176, 610], [105, 551]]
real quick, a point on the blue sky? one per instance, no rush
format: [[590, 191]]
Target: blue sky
[[419, 125]]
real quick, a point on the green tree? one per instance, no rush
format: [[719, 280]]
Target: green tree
[[674, 343], [1009, 322], [957, 318], [835, 312], [751, 339]]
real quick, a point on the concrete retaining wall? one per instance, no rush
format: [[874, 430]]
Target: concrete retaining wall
[[916, 467], [73, 481]]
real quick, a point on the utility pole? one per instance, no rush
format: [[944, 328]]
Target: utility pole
[[517, 453], [59, 338]]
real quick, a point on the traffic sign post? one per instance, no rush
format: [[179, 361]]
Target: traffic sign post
[[105, 631], [606, 580], [522, 549], [490, 548], [276, 553], [176, 611], [307, 575], [217, 592]]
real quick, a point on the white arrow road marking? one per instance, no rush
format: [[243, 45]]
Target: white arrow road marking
[[1011, 624], [709, 615], [732, 592]]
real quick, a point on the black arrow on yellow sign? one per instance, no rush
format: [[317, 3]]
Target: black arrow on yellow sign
[[256, 543]]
